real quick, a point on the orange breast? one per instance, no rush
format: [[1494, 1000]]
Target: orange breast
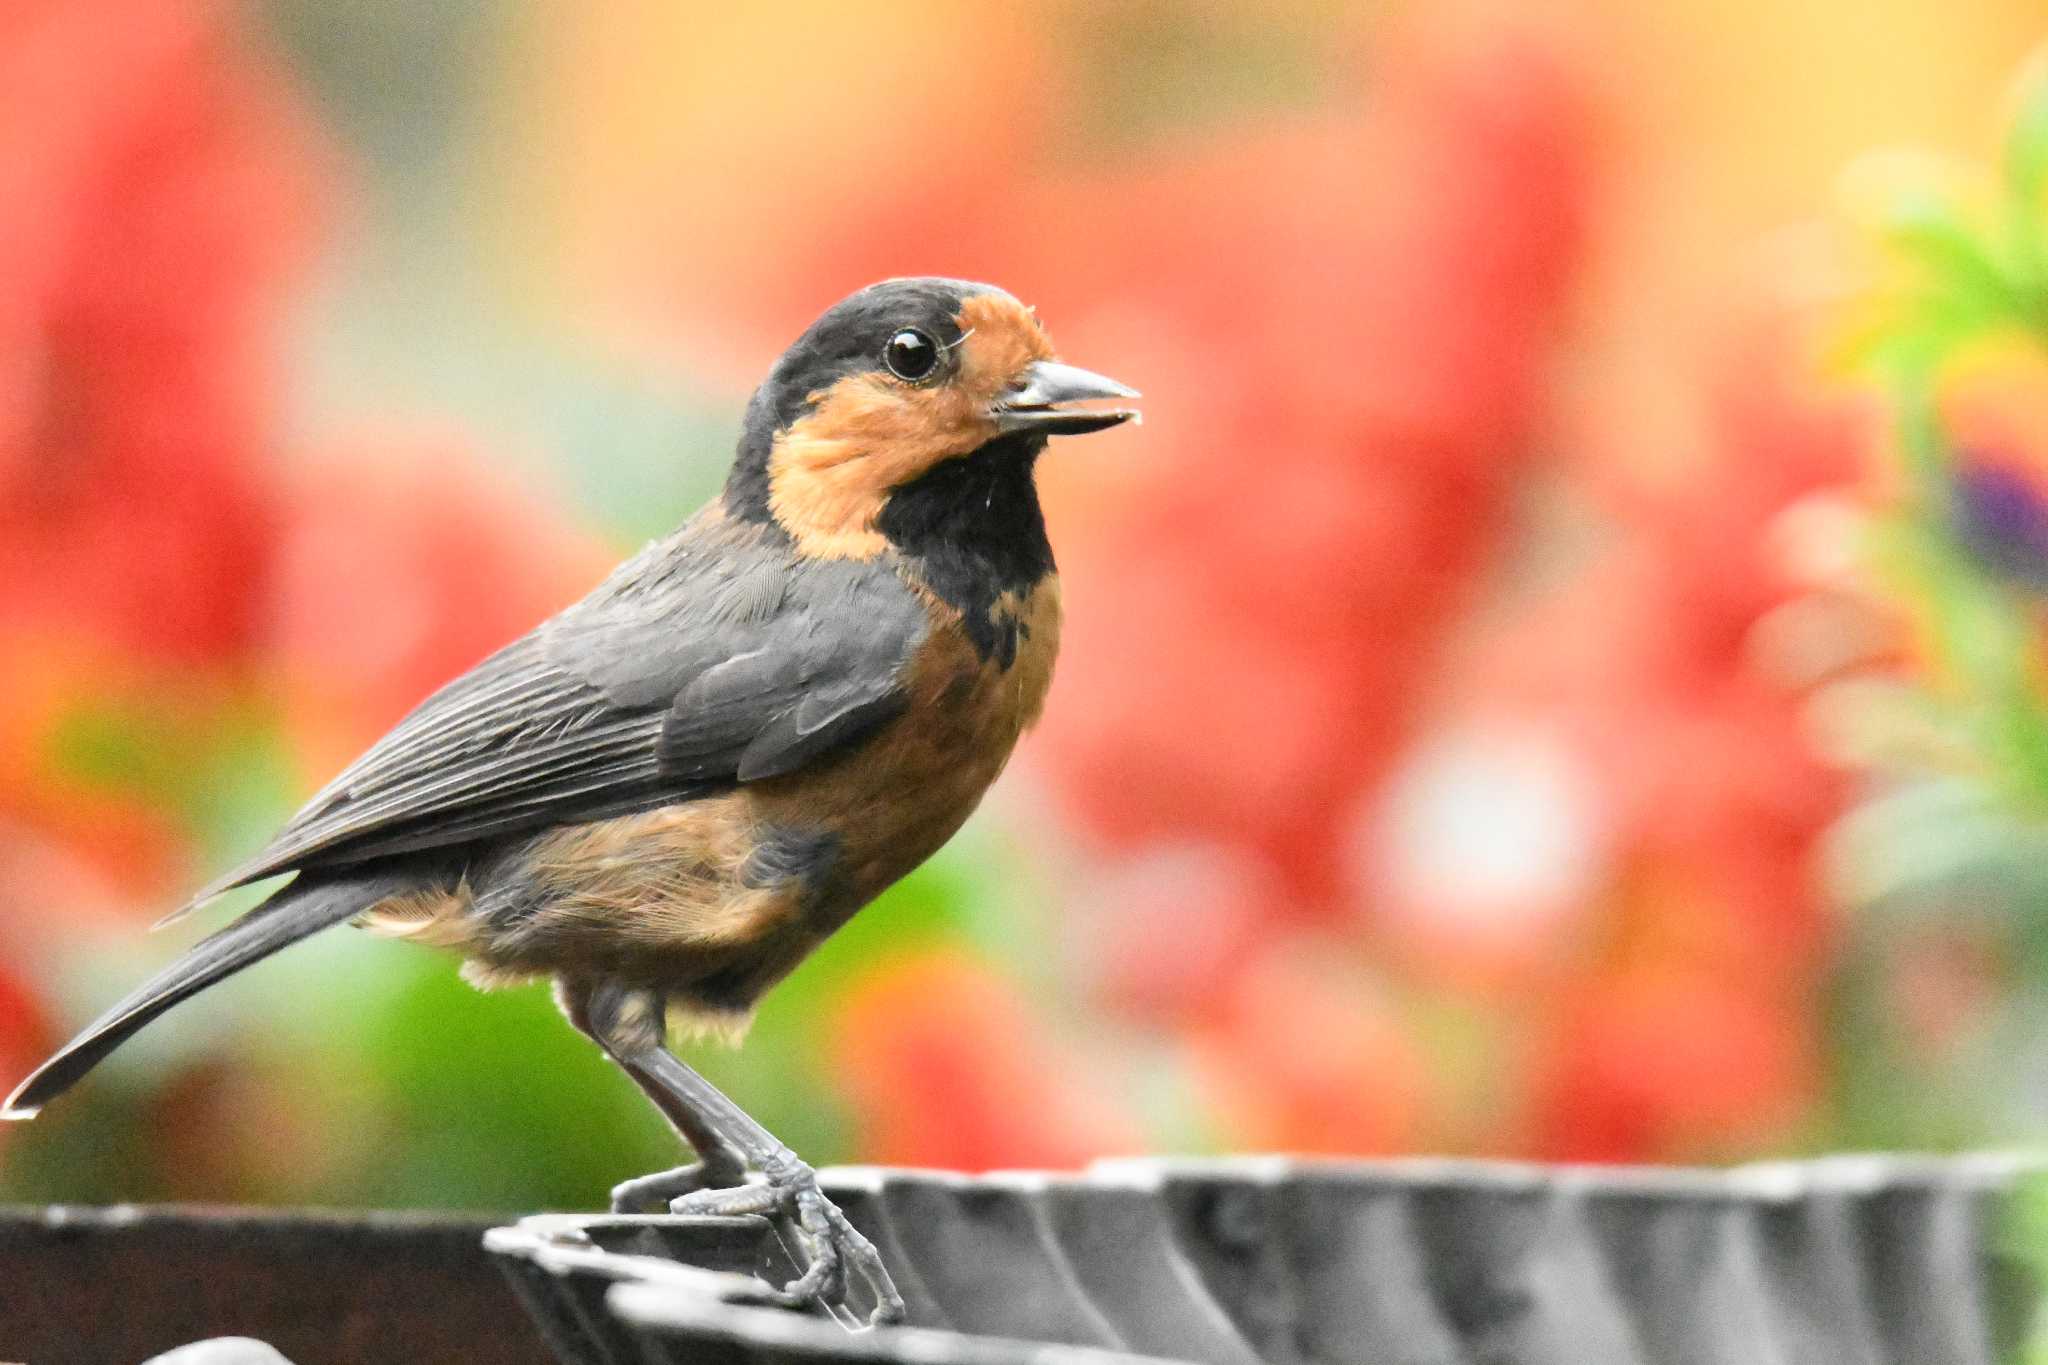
[[895, 800]]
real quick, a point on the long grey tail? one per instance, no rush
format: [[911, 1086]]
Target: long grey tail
[[293, 912]]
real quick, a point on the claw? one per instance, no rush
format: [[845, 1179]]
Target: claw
[[831, 1244]]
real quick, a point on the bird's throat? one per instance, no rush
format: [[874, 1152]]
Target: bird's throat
[[972, 532]]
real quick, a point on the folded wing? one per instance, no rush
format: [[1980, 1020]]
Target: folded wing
[[713, 658]]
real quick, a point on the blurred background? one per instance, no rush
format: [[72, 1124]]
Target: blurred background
[[1555, 675]]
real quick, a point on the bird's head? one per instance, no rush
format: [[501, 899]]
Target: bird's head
[[894, 385]]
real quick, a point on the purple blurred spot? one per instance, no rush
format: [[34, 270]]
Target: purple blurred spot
[[2002, 518]]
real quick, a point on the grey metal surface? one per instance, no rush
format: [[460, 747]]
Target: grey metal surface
[[1842, 1261]]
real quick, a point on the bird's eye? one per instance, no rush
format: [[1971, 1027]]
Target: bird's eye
[[911, 355]]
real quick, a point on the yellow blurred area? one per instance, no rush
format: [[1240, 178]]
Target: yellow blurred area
[[706, 151]]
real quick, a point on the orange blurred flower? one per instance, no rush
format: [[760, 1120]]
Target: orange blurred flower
[[1671, 1063], [698, 210], [946, 1066], [1309, 1054], [94, 743], [1993, 396]]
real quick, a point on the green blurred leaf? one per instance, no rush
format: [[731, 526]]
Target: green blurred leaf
[[222, 767], [2026, 147], [1945, 278], [240, 788], [490, 1101], [2026, 172], [94, 1148], [2023, 1235], [1906, 334], [1960, 266], [1891, 851]]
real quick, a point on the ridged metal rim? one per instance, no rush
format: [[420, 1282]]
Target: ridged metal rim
[[1241, 1261]]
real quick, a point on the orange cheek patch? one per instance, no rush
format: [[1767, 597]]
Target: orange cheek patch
[[830, 473]]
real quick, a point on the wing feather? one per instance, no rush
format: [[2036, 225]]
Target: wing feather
[[709, 659]]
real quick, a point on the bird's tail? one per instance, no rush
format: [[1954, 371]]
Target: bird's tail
[[302, 908]]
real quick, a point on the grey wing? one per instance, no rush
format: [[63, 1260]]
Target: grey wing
[[708, 660], [830, 672]]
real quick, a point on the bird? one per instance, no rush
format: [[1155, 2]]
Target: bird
[[664, 797]]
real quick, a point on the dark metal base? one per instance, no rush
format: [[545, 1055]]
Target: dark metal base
[[114, 1286]]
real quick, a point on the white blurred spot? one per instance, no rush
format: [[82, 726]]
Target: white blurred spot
[[1493, 825]]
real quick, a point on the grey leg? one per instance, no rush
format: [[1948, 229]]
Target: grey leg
[[628, 1026], [717, 1166]]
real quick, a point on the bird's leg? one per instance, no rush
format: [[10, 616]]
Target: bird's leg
[[717, 1165], [788, 1192], [787, 1189]]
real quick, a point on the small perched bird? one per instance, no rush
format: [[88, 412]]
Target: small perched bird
[[669, 794]]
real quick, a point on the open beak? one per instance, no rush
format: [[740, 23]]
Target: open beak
[[1033, 403]]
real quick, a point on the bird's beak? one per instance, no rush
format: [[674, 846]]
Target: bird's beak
[[1033, 402]]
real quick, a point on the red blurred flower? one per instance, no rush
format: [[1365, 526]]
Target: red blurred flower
[[1349, 377], [946, 1066], [156, 195], [1344, 317], [25, 1034], [1725, 774], [1683, 1015], [405, 560]]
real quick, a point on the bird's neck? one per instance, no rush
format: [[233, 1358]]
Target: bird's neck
[[972, 525], [969, 531], [972, 534]]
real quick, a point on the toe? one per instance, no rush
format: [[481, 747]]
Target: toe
[[824, 1281], [647, 1193], [732, 1202]]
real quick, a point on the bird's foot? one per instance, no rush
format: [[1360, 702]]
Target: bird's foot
[[654, 1193], [787, 1192]]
